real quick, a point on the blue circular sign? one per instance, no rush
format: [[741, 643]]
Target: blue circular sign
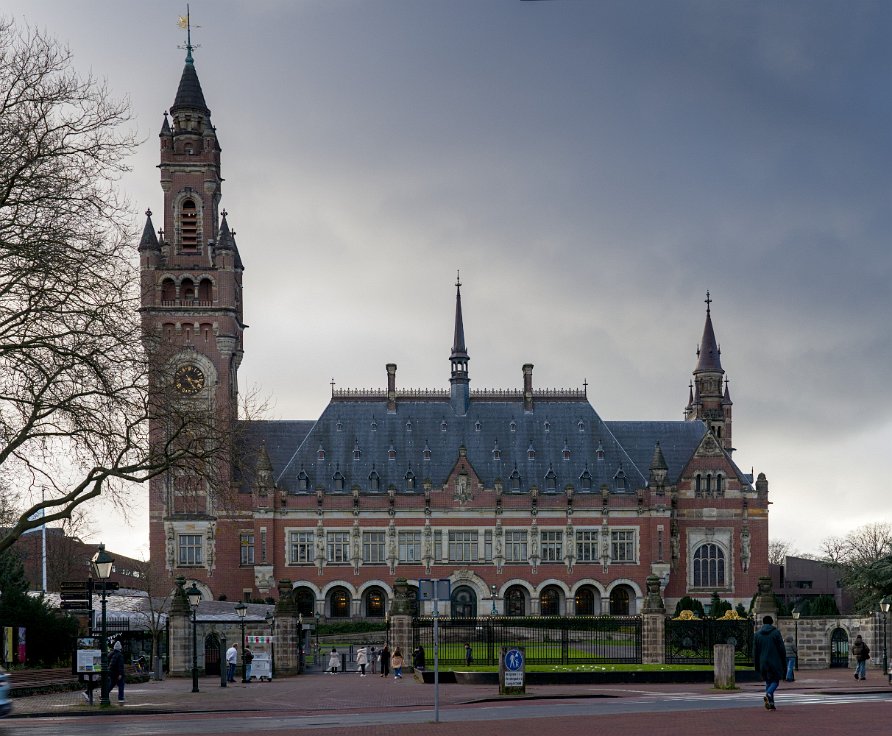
[[514, 660]]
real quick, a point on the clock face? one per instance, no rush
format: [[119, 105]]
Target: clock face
[[188, 379]]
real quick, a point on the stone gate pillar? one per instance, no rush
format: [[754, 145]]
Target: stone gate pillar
[[764, 605], [401, 621], [287, 640], [180, 614], [653, 624]]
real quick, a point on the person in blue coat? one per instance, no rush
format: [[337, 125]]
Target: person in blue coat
[[769, 658]]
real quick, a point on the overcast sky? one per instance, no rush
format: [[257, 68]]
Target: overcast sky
[[591, 167]]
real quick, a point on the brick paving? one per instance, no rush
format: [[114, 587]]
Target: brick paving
[[320, 693]]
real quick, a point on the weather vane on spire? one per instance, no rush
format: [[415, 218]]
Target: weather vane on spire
[[708, 301], [184, 22], [458, 278]]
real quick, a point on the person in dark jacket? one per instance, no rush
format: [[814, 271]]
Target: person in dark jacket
[[384, 659], [792, 653], [116, 671], [861, 652], [769, 658], [418, 658]]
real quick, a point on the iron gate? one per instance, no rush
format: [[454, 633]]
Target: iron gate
[[548, 640], [839, 648], [691, 641]]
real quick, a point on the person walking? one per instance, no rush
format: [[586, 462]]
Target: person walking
[[362, 659], [792, 653], [334, 661], [769, 658], [469, 654], [396, 661], [249, 657], [384, 659], [116, 671], [373, 660], [231, 662], [418, 658], [861, 652]]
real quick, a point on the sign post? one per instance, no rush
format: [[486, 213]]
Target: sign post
[[435, 591], [512, 671]]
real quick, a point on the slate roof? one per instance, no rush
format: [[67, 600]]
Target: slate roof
[[534, 447], [189, 94]]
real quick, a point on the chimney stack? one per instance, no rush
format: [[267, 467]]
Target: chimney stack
[[528, 387], [391, 388]]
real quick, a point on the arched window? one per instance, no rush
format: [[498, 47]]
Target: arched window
[[375, 603], [340, 603], [305, 600], [550, 602], [515, 601], [187, 290], [189, 224], [464, 602], [585, 602], [205, 291], [698, 483], [720, 485], [619, 601], [168, 292], [709, 566], [708, 484]]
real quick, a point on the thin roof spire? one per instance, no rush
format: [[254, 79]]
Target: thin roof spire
[[185, 22]]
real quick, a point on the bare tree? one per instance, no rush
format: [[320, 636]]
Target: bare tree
[[864, 557], [159, 592], [74, 374], [779, 550]]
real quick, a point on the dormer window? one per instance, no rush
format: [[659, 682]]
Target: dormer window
[[339, 426], [531, 452], [565, 453], [547, 426], [513, 426], [426, 453], [550, 480], [409, 426], [357, 453], [496, 453], [410, 481], [443, 426], [581, 425], [320, 453], [391, 453], [599, 453], [303, 481], [374, 481], [620, 480], [514, 481], [585, 480], [338, 479], [374, 426], [477, 426]]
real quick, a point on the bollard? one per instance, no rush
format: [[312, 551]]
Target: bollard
[[159, 669], [223, 664], [343, 661], [723, 656]]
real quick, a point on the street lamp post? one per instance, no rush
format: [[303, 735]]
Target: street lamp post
[[796, 636], [884, 606], [102, 564], [241, 609], [194, 596], [271, 621], [316, 657]]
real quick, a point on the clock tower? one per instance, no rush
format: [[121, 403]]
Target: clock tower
[[191, 281]]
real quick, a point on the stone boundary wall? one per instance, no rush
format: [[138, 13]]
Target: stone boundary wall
[[814, 635]]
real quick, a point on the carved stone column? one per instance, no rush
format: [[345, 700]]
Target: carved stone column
[[180, 613], [401, 621], [653, 624], [287, 640]]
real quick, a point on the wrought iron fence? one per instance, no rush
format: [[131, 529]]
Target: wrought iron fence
[[691, 641], [548, 640]]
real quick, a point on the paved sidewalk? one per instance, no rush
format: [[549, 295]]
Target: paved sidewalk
[[348, 692]]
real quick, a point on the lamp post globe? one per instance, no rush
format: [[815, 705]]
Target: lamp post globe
[[242, 610], [101, 565], [194, 596]]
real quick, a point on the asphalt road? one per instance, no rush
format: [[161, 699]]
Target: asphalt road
[[652, 713]]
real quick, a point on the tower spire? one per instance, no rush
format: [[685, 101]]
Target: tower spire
[[185, 22], [459, 380]]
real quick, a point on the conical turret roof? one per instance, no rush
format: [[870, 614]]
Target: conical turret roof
[[189, 94], [149, 239], [708, 354]]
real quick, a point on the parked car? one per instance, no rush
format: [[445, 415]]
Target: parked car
[[5, 701]]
